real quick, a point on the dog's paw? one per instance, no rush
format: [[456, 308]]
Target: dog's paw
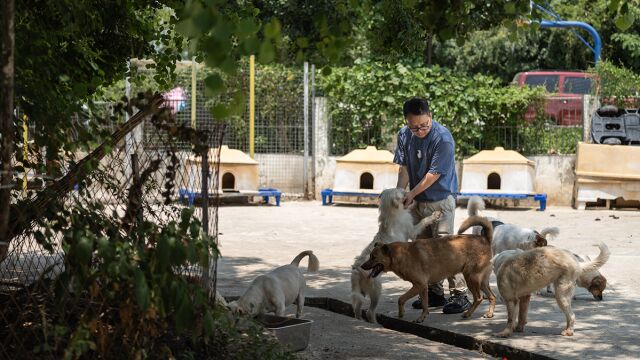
[[567, 332], [504, 333], [519, 328], [488, 315], [419, 320]]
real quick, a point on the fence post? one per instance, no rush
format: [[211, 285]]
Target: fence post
[[305, 164], [320, 144], [314, 134], [205, 214], [590, 104]]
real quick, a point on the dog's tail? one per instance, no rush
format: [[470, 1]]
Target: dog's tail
[[474, 205], [314, 264], [553, 231], [477, 221], [598, 261]]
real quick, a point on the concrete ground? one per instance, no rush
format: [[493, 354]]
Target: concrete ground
[[256, 239]]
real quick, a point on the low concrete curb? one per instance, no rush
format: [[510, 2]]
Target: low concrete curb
[[430, 333]]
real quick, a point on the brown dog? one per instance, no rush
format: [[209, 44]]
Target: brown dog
[[428, 261]]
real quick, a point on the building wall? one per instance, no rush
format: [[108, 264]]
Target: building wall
[[281, 171], [555, 176]]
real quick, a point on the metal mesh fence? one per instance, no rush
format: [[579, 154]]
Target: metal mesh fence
[[86, 241], [556, 130]]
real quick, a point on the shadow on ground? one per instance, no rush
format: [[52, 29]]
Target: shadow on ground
[[604, 329]]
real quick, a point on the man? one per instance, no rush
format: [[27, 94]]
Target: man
[[425, 153]]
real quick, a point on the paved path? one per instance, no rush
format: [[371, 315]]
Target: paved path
[[255, 239]]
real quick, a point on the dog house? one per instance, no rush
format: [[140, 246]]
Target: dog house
[[498, 171], [238, 176], [365, 170], [500, 174], [362, 172], [237, 171]]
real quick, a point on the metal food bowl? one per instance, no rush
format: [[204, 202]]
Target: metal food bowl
[[293, 333]]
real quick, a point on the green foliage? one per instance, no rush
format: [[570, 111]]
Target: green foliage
[[501, 52], [368, 98], [66, 50], [617, 84], [132, 293], [404, 28]]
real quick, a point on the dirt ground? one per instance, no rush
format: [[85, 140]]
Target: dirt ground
[[256, 239]]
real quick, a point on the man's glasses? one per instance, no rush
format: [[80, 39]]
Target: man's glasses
[[423, 127]]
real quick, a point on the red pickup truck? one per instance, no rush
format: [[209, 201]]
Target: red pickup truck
[[565, 88]]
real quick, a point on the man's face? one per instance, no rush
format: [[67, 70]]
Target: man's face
[[420, 125]]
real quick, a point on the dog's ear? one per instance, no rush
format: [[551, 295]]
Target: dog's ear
[[378, 244], [386, 249], [540, 240]]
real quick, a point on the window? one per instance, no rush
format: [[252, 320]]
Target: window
[[550, 82], [577, 85], [366, 181], [493, 181]]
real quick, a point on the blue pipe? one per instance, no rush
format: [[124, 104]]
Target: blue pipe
[[597, 46]]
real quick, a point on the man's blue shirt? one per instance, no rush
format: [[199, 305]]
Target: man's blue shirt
[[435, 154]]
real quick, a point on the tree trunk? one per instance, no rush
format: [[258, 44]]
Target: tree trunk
[[428, 51], [6, 119]]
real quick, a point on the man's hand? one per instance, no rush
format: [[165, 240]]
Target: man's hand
[[408, 199]]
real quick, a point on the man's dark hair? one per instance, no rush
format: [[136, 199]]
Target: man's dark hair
[[416, 106]]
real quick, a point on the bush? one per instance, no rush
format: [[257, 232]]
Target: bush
[[367, 99]]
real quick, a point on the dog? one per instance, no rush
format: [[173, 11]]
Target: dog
[[395, 223], [426, 261], [274, 291], [519, 273], [593, 281], [509, 237]]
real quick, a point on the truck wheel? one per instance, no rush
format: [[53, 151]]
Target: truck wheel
[[612, 141]]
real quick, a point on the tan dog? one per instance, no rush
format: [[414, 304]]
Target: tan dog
[[519, 273], [593, 281], [394, 224], [427, 261], [274, 291]]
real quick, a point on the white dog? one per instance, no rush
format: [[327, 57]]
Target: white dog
[[274, 291], [519, 273], [395, 223], [509, 237]]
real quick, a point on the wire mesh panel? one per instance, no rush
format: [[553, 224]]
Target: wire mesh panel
[[87, 252], [555, 129]]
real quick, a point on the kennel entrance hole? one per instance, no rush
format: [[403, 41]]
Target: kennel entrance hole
[[228, 181], [493, 181], [366, 181]]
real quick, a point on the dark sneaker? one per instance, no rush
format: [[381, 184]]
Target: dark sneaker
[[456, 304], [434, 301]]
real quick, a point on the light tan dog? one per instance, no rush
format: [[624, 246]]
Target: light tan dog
[[394, 224], [593, 281], [427, 261], [520, 273], [274, 291]]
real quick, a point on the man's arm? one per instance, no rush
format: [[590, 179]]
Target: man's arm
[[403, 177], [423, 185]]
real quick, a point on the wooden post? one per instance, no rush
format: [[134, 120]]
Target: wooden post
[[6, 120]]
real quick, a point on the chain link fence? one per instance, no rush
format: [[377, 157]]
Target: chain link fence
[[80, 274], [556, 130]]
